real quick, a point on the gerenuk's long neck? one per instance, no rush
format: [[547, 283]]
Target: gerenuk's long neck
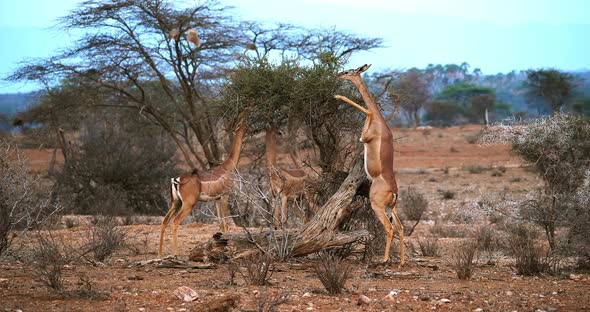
[[236, 147], [271, 148], [367, 98]]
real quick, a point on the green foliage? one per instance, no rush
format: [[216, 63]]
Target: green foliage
[[473, 100], [553, 86], [271, 90]]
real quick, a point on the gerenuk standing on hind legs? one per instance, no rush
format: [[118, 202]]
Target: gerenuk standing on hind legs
[[378, 140]]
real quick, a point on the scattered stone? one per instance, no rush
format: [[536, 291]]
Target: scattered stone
[[389, 297], [120, 261], [372, 289], [478, 310], [444, 300], [182, 310], [185, 293], [3, 283], [135, 277], [424, 298], [395, 292], [575, 277], [306, 295], [146, 262], [170, 309], [509, 293], [363, 300], [141, 309]]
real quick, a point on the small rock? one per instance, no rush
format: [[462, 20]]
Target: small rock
[[182, 310], [372, 289], [306, 295], [395, 292], [389, 297], [363, 300], [3, 283], [135, 277], [444, 300], [575, 277], [170, 309], [508, 293], [424, 298], [478, 310], [120, 261], [141, 309], [185, 293]]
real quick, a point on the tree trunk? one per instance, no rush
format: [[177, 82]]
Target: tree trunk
[[486, 120], [321, 232]]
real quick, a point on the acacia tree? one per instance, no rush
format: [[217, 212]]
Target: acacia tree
[[474, 101], [135, 53], [553, 86], [413, 91]]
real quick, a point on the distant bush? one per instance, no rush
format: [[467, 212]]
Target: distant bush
[[476, 168], [446, 194], [429, 246], [118, 166], [413, 205]]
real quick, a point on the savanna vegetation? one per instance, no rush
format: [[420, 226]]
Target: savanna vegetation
[[151, 89]]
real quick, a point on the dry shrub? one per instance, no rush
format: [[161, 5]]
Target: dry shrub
[[104, 238], [497, 173], [446, 194], [447, 230], [413, 204], [464, 259], [257, 269], [487, 239], [332, 271], [270, 302], [475, 169], [474, 138], [48, 261], [527, 253], [429, 246], [23, 202]]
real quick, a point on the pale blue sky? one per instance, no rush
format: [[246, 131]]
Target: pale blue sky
[[494, 35]]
